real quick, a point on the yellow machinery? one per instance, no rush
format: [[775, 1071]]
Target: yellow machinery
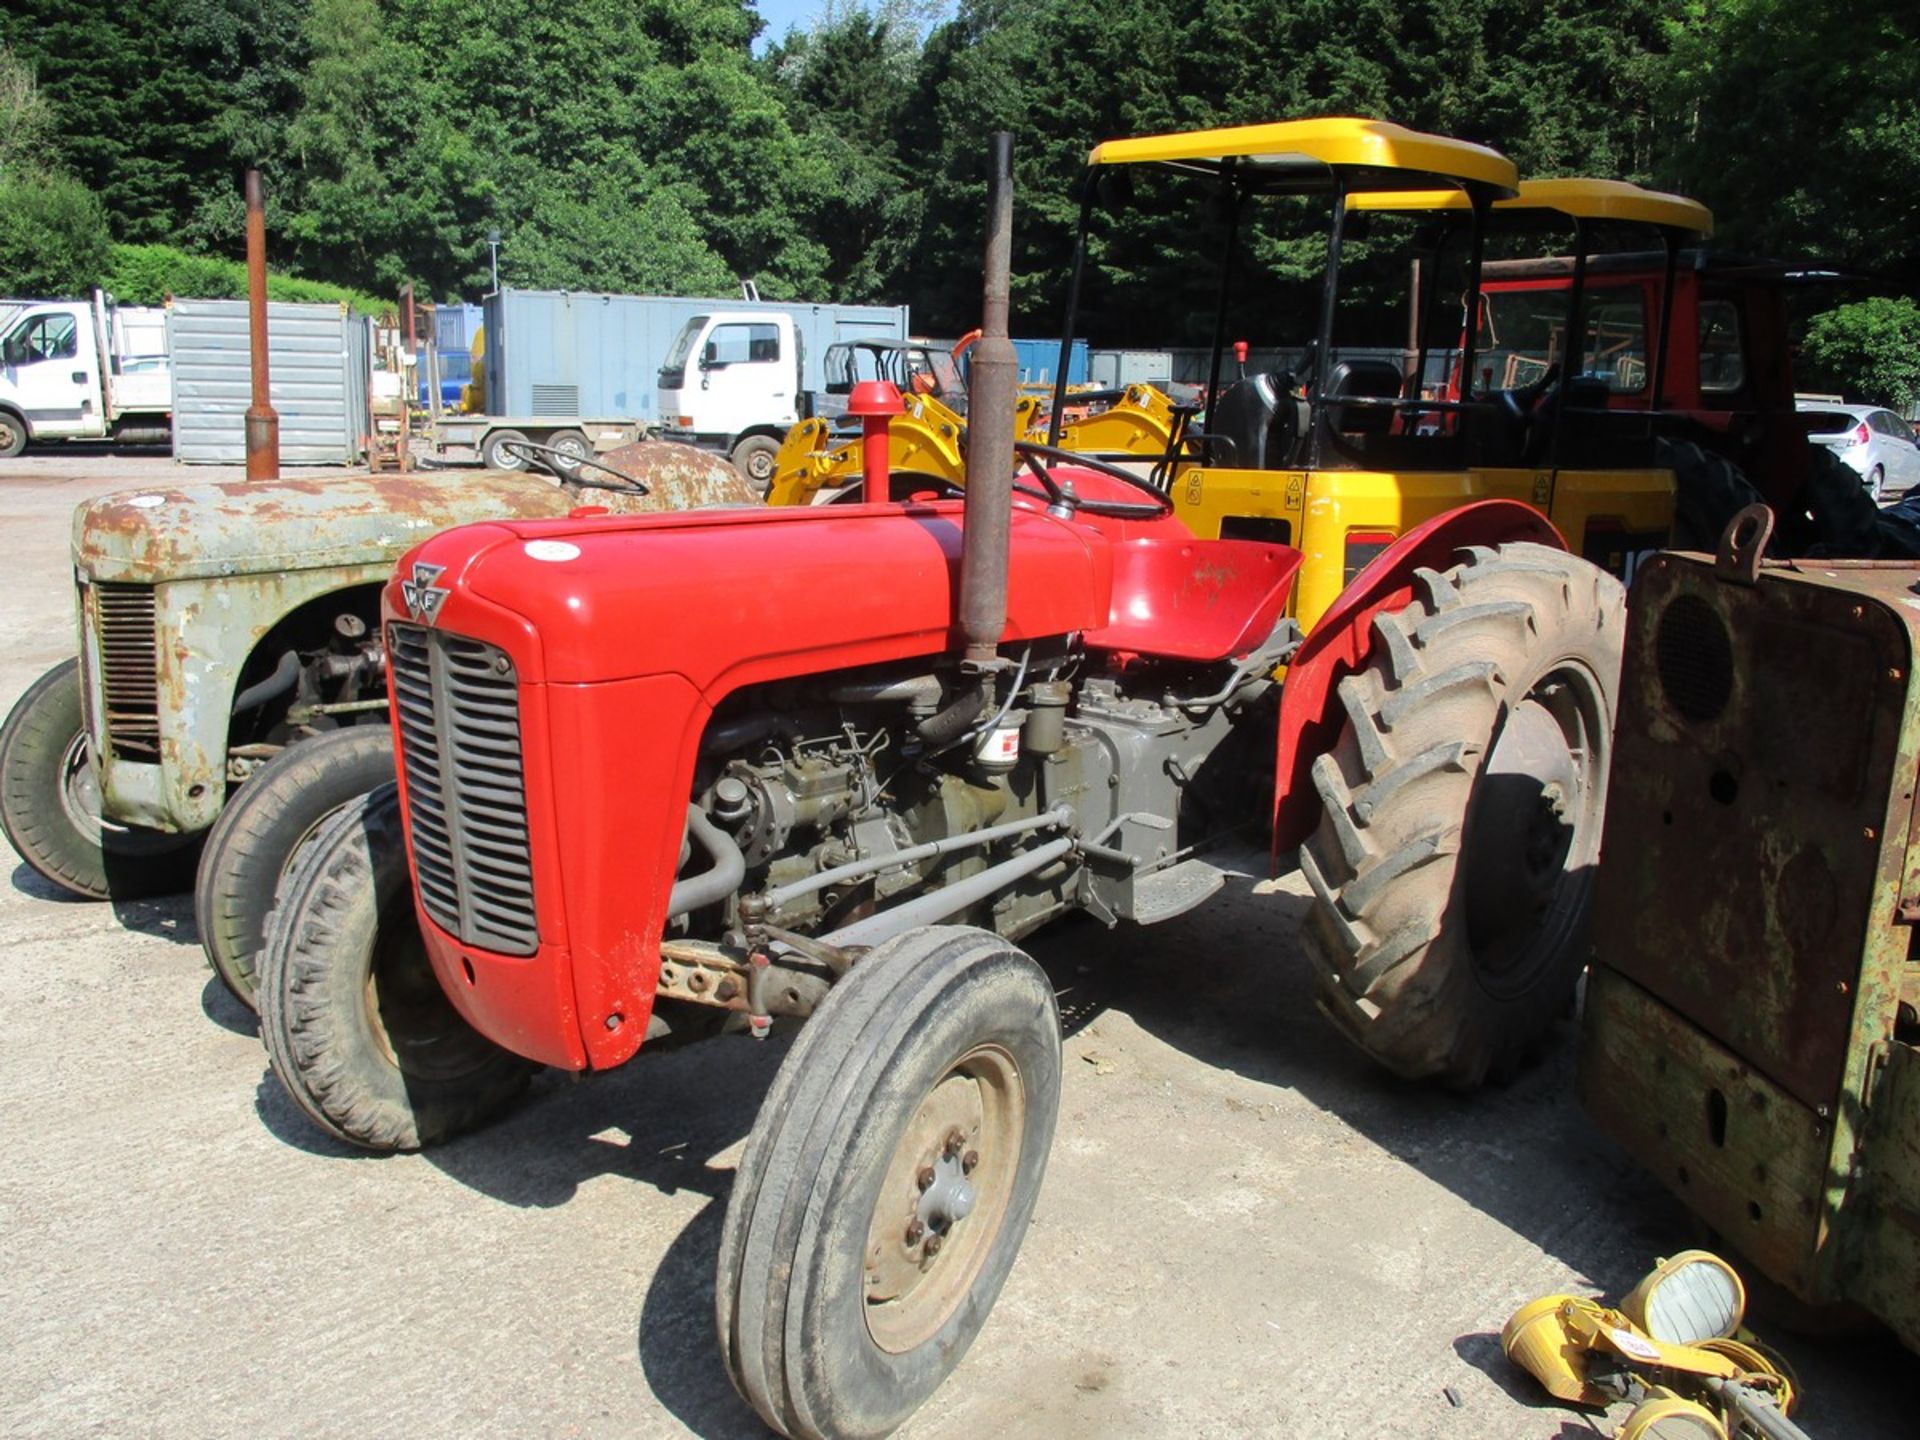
[[1674, 1348], [1345, 453]]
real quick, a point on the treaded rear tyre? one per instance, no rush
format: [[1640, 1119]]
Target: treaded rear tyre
[[1835, 516], [835, 1321], [355, 1023], [253, 843], [1452, 867], [50, 804], [1709, 490]]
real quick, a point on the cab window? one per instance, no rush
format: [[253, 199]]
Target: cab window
[[44, 337], [1723, 367], [1617, 340], [743, 344]]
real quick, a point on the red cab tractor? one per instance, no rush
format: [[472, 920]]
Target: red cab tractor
[[645, 795]]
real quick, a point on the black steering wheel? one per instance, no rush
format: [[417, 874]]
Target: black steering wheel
[[567, 469], [1037, 458]]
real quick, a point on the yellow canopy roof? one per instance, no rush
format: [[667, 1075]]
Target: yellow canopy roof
[[1581, 199], [1308, 149]]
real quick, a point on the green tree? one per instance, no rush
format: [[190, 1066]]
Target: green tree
[[27, 121], [53, 235], [1800, 125], [1869, 350], [643, 240]]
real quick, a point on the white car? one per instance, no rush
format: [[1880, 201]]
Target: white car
[[1877, 443]]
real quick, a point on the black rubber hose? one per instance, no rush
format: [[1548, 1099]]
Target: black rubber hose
[[283, 678], [942, 729]]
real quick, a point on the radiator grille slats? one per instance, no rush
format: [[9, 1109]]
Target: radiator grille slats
[[129, 670], [459, 709]]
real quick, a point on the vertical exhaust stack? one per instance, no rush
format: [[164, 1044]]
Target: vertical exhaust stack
[[263, 425], [989, 502]]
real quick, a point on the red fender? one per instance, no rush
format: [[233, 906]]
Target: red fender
[[1310, 714]]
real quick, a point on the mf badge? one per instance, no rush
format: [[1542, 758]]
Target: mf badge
[[423, 597]]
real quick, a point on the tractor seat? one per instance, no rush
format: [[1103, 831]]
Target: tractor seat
[[1368, 378], [1195, 599], [1260, 418]]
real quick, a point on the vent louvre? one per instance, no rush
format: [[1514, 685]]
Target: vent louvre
[[458, 704], [129, 668], [563, 400]]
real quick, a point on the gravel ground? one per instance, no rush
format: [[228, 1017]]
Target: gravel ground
[[1245, 1229]]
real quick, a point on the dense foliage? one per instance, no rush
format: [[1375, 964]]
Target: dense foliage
[[1870, 348], [643, 145]]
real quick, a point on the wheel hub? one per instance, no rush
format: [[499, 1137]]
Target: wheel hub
[[1530, 830], [945, 1192], [80, 789]]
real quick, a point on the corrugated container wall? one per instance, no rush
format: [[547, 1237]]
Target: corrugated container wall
[[1040, 361], [317, 361], [556, 352]]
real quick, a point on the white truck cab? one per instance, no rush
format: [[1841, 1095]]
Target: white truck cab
[[74, 370], [733, 380]]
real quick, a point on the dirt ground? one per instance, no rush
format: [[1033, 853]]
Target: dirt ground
[[1245, 1229]]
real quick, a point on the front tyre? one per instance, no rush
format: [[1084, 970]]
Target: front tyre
[[1453, 865], [888, 1183], [756, 458], [355, 1023], [50, 804], [254, 842]]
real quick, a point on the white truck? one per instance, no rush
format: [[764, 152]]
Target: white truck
[[738, 379], [83, 370]]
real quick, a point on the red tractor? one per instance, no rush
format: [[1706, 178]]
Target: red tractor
[[1716, 376], [644, 794]]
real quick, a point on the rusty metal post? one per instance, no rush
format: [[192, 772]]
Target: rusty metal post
[[263, 425], [990, 460]]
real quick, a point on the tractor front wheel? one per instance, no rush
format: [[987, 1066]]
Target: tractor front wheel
[[263, 829], [1453, 865], [50, 804], [888, 1183], [355, 1022]]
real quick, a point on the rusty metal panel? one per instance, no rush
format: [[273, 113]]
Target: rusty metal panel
[[1885, 1271], [1758, 770], [1741, 1153]]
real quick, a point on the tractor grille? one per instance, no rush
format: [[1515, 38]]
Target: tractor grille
[[458, 704], [129, 670]]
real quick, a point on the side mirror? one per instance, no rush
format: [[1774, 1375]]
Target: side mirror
[[14, 352], [710, 357]]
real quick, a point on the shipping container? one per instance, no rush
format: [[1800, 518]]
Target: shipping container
[[318, 363], [1040, 361]]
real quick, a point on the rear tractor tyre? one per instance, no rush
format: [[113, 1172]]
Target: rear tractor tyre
[[50, 804], [262, 831], [1709, 490], [1453, 865], [1836, 515], [355, 1023], [888, 1183], [755, 457]]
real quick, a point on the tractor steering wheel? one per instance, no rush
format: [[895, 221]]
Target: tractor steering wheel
[[1040, 458]]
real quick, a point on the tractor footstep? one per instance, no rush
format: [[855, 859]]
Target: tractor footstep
[[1175, 890]]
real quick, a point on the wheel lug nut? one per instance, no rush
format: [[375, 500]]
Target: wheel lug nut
[[933, 1245], [954, 1141], [925, 1178], [914, 1231], [968, 1161]]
